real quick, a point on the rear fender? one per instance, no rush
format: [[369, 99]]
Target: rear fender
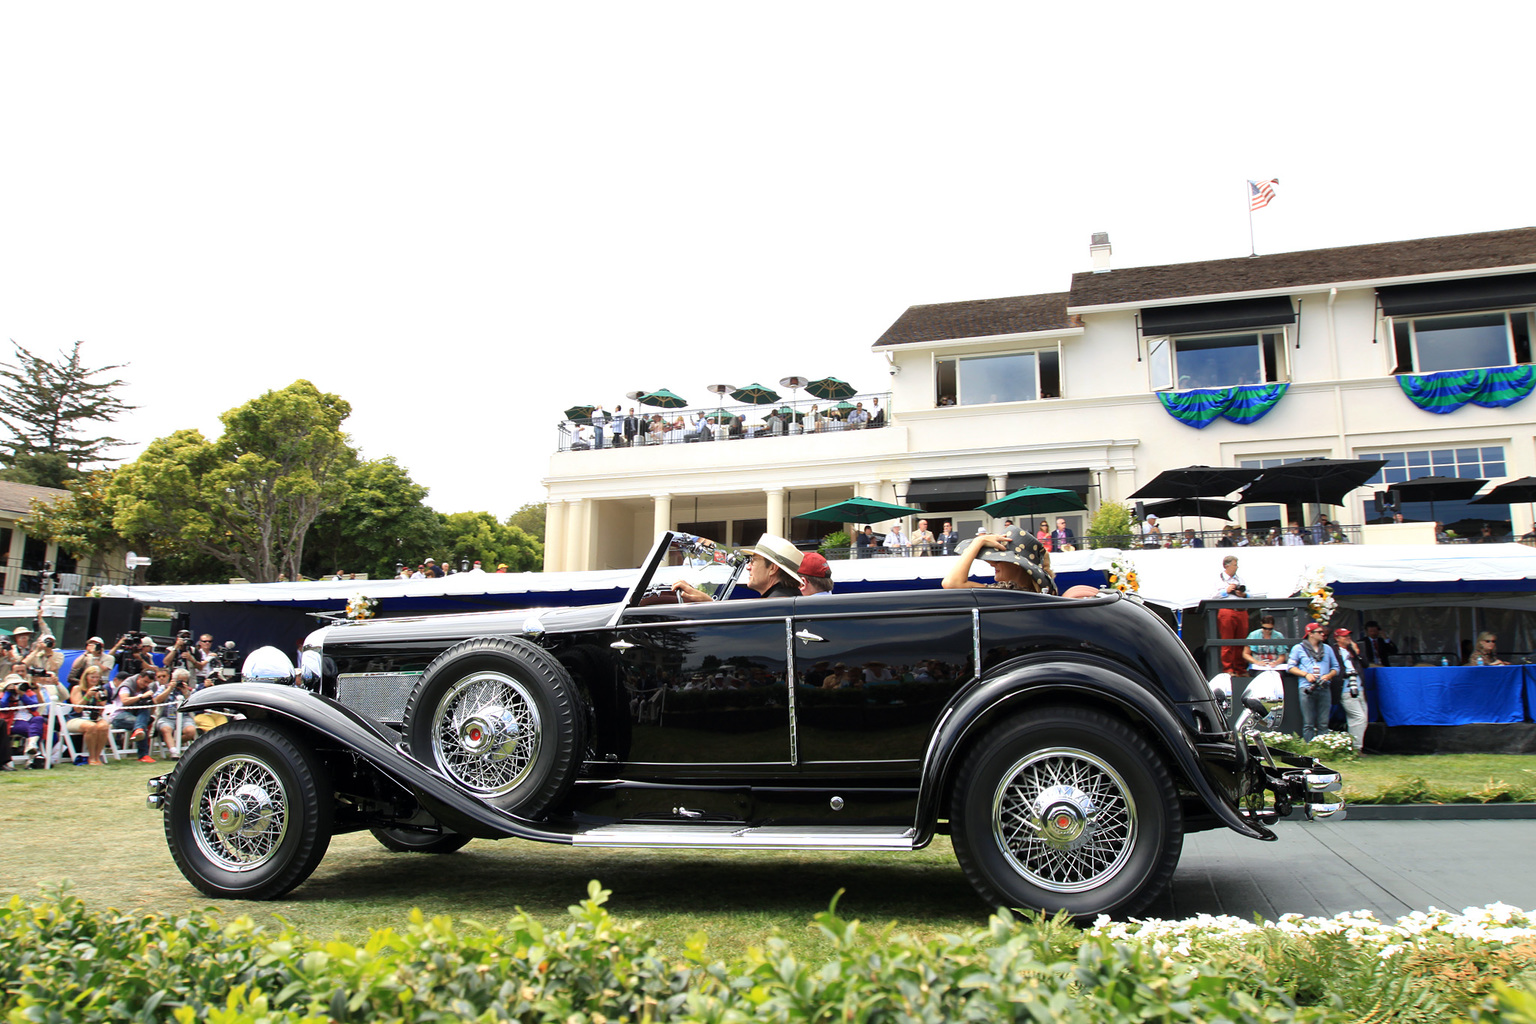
[[1021, 686], [322, 721]]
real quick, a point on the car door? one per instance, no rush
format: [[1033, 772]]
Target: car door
[[707, 686], [873, 672]]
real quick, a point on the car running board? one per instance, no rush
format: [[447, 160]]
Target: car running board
[[743, 837]]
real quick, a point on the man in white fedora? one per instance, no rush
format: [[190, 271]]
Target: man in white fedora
[[773, 570]]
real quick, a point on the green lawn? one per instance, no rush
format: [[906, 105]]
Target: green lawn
[[90, 826]]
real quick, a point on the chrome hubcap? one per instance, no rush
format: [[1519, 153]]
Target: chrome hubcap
[[1065, 819], [242, 812], [485, 732]]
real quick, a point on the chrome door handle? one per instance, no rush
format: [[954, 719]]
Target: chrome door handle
[[806, 636], [621, 645]]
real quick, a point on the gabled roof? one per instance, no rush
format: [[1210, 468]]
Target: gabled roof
[[17, 498], [1486, 250], [980, 318]]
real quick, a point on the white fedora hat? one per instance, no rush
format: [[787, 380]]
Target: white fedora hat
[[781, 553]]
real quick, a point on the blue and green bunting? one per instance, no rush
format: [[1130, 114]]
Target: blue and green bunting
[[1449, 390], [1243, 404]]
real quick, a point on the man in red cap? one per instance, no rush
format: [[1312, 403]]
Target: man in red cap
[[1351, 696], [816, 573]]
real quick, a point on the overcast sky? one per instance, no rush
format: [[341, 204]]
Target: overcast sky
[[464, 218]]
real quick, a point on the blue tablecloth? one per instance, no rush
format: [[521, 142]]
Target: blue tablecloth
[[1451, 696]]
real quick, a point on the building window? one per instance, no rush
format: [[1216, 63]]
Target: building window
[[1216, 360], [1484, 462], [1460, 517], [1467, 341], [1006, 377]]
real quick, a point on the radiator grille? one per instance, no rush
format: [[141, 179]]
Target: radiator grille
[[379, 695]]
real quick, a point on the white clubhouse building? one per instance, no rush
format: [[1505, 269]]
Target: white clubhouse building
[[1415, 351]]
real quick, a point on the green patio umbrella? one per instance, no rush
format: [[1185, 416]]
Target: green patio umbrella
[[1034, 501], [720, 416], [755, 394], [663, 399], [860, 510], [579, 413], [785, 412], [829, 388]]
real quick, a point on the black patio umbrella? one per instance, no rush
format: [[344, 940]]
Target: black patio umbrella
[[1192, 507], [755, 394], [829, 388], [1324, 481], [1197, 482], [1523, 489], [1472, 526], [1437, 488]]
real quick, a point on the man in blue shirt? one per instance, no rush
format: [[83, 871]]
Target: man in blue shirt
[[1315, 666]]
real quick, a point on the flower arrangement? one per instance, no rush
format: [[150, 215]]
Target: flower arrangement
[[1320, 595], [1122, 575], [362, 607]]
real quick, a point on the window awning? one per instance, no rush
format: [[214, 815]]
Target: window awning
[[948, 493], [1212, 317], [1078, 480], [1459, 296]]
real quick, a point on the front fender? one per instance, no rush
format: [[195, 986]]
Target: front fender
[[333, 722], [1078, 682]]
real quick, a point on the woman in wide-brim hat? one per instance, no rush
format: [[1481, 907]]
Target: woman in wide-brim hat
[[1019, 562]]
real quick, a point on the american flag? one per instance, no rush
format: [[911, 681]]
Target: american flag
[[1260, 193]]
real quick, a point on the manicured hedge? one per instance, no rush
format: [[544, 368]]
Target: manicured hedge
[[60, 961]]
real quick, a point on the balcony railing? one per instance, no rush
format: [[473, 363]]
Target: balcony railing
[[731, 423]]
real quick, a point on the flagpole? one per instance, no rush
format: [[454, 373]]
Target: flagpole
[[1248, 188]]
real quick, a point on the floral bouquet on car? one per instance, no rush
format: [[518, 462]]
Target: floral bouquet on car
[[1122, 575], [1319, 596], [362, 607]]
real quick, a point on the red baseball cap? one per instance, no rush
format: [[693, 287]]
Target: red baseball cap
[[1341, 631], [1315, 627], [815, 565]]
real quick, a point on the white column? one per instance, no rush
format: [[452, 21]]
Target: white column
[[776, 511], [661, 515], [575, 535], [554, 536], [13, 559]]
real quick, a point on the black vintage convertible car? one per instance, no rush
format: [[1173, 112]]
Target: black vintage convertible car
[[1066, 746]]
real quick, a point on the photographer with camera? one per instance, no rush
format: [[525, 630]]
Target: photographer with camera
[[172, 687], [90, 720], [1351, 695], [134, 652], [136, 698], [46, 656], [1317, 666], [1231, 623], [184, 653], [94, 655], [20, 707]]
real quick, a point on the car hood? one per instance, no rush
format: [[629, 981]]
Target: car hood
[[511, 622]]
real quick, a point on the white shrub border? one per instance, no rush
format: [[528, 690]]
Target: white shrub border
[[1496, 923]]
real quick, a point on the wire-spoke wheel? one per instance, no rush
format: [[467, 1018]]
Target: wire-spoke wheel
[[1066, 809], [500, 718], [248, 812]]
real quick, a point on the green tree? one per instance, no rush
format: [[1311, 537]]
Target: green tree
[[1111, 525], [81, 522], [477, 535], [383, 519], [530, 519], [45, 404], [249, 498]]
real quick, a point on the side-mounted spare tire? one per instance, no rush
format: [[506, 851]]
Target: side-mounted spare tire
[[501, 718], [1066, 809]]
